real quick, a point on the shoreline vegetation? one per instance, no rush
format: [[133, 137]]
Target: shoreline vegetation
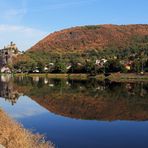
[[13, 135], [119, 77]]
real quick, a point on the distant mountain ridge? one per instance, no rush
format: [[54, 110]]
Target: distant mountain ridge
[[94, 37]]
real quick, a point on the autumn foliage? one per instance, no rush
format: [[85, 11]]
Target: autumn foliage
[[94, 37]]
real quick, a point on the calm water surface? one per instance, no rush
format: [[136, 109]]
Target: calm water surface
[[79, 114]]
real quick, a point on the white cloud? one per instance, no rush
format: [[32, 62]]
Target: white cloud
[[24, 108], [23, 36], [11, 14], [13, 11], [28, 113]]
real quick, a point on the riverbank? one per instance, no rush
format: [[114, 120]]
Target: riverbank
[[120, 77], [124, 77], [56, 76], [13, 135]]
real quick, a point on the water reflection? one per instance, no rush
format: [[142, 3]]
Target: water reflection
[[91, 99], [7, 90]]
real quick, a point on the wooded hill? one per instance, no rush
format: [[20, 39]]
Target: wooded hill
[[79, 44], [94, 37]]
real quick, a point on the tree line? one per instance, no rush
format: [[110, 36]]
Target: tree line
[[133, 60]]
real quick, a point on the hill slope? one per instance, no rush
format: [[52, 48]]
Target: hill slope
[[94, 37], [82, 46]]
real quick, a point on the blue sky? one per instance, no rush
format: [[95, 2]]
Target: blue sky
[[27, 21]]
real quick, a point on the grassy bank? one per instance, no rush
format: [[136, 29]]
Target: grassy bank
[[13, 135], [58, 76], [129, 77], [113, 77]]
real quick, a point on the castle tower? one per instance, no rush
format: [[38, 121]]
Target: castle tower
[[7, 53]]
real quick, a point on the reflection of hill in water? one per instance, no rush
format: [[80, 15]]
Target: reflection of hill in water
[[88, 99]]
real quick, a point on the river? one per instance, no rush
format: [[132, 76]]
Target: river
[[79, 113]]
